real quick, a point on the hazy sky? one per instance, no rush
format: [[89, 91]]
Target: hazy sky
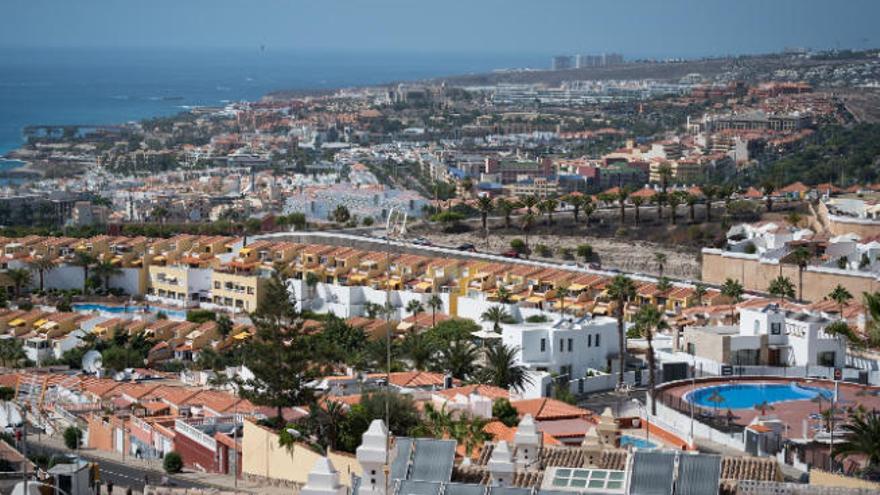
[[633, 27]]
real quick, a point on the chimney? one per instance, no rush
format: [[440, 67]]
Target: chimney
[[528, 441], [323, 480], [372, 455], [501, 465]]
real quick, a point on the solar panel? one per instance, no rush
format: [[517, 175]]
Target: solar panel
[[584, 479], [508, 490], [410, 487], [433, 460], [652, 473], [400, 464], [464, 489], [698, 474]]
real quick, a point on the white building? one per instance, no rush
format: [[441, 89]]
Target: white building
[[566, 347], [766, 336]]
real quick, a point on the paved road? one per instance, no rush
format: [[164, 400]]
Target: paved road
[[122, 475]]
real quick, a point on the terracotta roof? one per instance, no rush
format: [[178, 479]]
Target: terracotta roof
[[547, 409], [487, 391], [750, 468]]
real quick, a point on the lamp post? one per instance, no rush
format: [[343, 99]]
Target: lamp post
[[647, 421]]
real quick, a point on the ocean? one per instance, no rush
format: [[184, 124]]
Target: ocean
[[108, 86]]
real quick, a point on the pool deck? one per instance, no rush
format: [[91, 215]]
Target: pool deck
[[792, 413]]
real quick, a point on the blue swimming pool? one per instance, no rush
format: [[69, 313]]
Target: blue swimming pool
[[636, 442], [749, 395], [107, 308]]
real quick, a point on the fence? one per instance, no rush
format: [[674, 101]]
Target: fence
[[605, 382], [670, 419]]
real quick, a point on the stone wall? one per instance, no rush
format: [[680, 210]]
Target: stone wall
[[755, 275]]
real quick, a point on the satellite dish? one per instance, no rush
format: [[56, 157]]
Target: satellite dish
[[91, 362]]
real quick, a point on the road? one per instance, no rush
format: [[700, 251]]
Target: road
[[121, 474]]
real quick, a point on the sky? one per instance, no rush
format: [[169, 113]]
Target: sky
[[636, 28]]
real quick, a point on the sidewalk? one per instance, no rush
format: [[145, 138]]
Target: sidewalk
[[153, 467]]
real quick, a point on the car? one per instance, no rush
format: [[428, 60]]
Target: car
[[467, 247], [421, 241], [510, 254]]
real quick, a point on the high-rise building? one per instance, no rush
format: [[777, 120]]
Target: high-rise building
[[562, 62]]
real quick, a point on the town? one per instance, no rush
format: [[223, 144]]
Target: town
[[605, 276]]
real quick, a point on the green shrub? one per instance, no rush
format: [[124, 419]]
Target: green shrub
[[172, 463], [72, 437]]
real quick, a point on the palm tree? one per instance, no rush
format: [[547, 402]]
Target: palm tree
[[710, 192], [459, 359], [589, 209], [105, 270], [700, 293], [501, 368], [327, 420], [529, 202], [768, 188], [435, 303], [621, 197], [781, 287], [691, 201], [660, 259], [648, 320], [20, 277], [576, 202], [526, 222], [435, 422], [801, 256], [419, 348], [842, 332], [637, 202], [496, 315], [733, 290], [871, 301], [41, 265], [658, 199], [674, 200], [841, 296], [862, 438], [562, 293], [415, 307], [503, 295], [547, 207], [621, 290], [506, 208], [85, 261], [12, 353], [312, 280], [665, 173], [484, 206]]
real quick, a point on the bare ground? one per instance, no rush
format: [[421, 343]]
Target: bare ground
[[625, 255]]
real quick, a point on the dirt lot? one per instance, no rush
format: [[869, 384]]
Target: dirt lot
[[625, 255]]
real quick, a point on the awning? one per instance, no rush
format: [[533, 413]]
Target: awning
[[600, 310], [40, 322], [516, 297], [16, 322], [241, 336], [535, 299], [423, 285], [405, 325], [576, 287]]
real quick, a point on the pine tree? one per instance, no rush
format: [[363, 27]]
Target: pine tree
[[278, 355]]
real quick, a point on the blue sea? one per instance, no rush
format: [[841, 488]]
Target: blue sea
[[107, 86]]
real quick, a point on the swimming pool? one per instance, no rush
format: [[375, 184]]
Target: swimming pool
[[636, 442], [107, 308], [749, 395]]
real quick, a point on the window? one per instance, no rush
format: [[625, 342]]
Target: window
[[691, 348], [775, 328], [597, 340], [216, 285], [543, 345], [570, 345], [590, 340], [826, 358], [561, 345]]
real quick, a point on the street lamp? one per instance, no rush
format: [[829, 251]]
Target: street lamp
[[647, 421]]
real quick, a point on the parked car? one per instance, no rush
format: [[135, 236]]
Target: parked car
[[467, 247], [510, 254]]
